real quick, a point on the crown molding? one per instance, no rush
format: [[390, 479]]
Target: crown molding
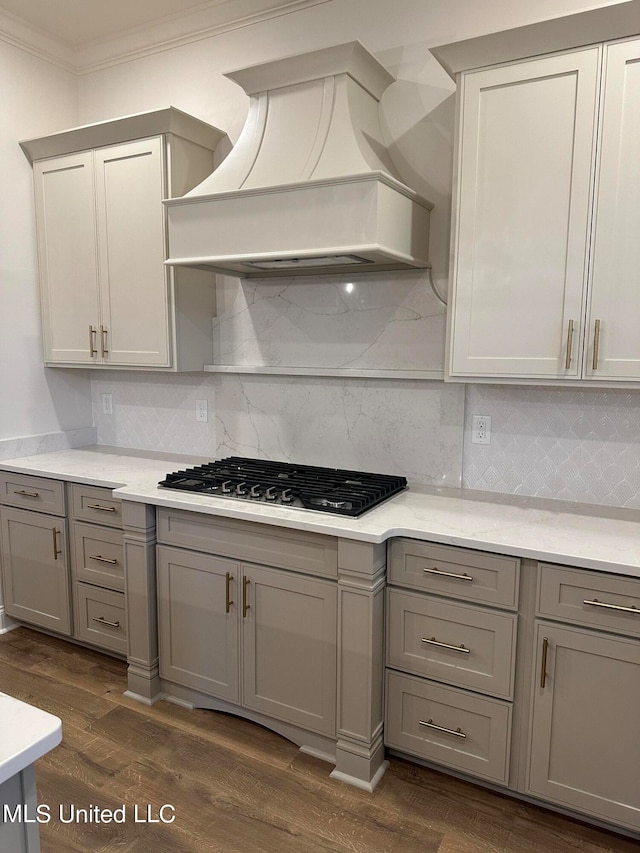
[[202, 22]]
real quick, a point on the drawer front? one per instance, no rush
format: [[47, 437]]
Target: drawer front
[[449, 726], [312, 553], [101, 617], [92, 503], [38, 493], [456, 572], [456, 643], [614, 601], [98, 555]]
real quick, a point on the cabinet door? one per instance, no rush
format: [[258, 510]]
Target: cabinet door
[[35, 569], [133, 279], [68, 257], [290, 647], [198, 630], [526, 140], [585, 740], [613, 351]]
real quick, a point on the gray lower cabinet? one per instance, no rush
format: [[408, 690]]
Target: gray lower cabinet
[[35, 569], [249, 634]]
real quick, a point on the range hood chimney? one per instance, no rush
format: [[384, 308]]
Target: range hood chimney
[[309, 187]]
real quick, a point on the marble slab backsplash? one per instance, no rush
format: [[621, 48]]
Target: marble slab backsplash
[[366, 322], [49, 442], [406, 427], [565, 443]]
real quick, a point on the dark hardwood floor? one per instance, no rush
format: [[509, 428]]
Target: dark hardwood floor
[[236, 787]]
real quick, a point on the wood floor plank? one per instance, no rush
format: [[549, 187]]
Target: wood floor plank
[[238, 788]]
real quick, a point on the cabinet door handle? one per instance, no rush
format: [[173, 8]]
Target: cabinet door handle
[[100, 559], [435, 571], [27, 494], [595, 603], [55, 544], [461, 648], [567, 361], [102, 508], [228, 601], [104, 621], [429, 724], [103, 340], [596, 345], [92, 341], [245, 605], [543, 666]]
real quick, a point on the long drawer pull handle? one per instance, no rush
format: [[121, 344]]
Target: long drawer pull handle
[[431, 725], [436, 571], [92, 342], [228, 601], [101, 508], [567, 361], [103, 340], [595, 603], [245, 605], [461, 648], [56, 551], [104, 621], [100, 559], [596, 345], [27, 494], [543, 665]]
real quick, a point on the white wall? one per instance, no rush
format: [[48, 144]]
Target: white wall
[[37, 98]]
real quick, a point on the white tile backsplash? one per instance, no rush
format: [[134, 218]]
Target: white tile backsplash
[[564, 443]]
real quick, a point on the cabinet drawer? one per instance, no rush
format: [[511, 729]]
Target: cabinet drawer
[[312, 553], [29, 492], [92, 503], [457, 572], [457, 643], [101, 617], [454, 728], [98, 555], [615, 600]]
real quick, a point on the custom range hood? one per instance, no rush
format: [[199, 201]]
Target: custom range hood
[[309, 187]]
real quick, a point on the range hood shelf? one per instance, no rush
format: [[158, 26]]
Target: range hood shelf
[[309, 187], [337, 372]]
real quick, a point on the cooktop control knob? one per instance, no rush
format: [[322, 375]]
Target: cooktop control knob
[[270, 494], [286, 497], [227, 487], [255, 491], [242, 490]]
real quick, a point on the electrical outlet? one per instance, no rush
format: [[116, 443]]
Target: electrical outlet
[[481, 429], [202, 414], [107, 404]]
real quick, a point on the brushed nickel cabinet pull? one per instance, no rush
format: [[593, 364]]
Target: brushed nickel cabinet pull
[[55, 544], [461, 648], [228, 601], [92, 341], [103, 340], [543, 667], [27, 494], [596, 345], [104, 621], [595, 603], [102, 508], [245, 605], [567, 361], [100, 559], [435, 571], [429, 724]]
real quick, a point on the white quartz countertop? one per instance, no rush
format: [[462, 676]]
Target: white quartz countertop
[[26, 734], [580, 535]]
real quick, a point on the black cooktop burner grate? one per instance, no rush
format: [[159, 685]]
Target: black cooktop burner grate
[[286, 484]]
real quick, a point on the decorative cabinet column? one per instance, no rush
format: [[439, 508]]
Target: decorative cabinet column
[[361, 583], [139, 538]]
